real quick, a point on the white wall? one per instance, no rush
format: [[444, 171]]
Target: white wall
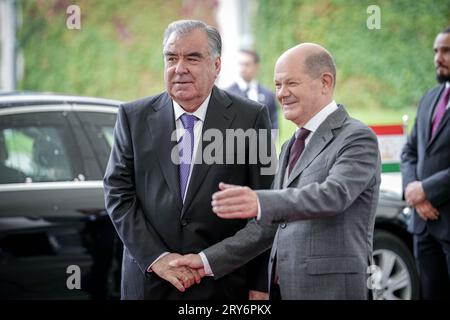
[[233, 17], [7, 44]]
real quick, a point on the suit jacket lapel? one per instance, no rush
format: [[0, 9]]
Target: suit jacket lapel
[[218, 116], [162, 124], [429, 118], [441, 126], [318, 142]]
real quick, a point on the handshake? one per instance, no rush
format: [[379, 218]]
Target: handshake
[[185, 271], [231, 202], [181, 271]]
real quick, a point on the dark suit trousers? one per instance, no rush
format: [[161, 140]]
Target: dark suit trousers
[[433, 261]]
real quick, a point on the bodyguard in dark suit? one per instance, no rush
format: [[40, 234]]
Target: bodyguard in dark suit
[[426, 179], [162, 209], [247, 86]]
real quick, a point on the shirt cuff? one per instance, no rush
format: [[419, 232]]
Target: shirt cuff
[[258, 216], [206, 266], [149, 269]]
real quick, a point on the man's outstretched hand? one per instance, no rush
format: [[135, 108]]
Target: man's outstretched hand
[[181, 277], [235, 202], [192, 261]]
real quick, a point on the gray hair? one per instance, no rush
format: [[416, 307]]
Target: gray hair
[[183, 27], [318, 63]]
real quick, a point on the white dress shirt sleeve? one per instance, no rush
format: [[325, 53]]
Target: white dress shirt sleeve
[[258, 216], [206, 266]]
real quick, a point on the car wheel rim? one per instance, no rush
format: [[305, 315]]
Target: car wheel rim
[[394, 280]]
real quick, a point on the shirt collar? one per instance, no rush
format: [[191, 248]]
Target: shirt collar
[[447, 85], [243, 85], [200, 113], [320, 117]]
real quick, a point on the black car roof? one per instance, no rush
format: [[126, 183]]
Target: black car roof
[[15, 99]]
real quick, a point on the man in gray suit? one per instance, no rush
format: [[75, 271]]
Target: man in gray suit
[[324, 197]]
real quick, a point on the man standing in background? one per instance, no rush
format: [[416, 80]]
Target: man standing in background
[[247, 86], [426, 179]]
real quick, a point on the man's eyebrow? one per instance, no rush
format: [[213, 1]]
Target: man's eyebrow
[[191, 54], [284, 79], [445, 47], [195, 54]]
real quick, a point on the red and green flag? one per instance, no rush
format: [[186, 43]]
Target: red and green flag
[[391, 139]]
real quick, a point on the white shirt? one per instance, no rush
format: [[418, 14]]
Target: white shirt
[[252, 86], [200, 113], [318, 118], [447, 85], [312, 125]]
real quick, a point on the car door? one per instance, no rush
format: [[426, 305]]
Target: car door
[[97, 123], [44, 203], [93, 127]]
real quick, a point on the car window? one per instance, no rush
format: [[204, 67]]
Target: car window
[[99, 127], [36, 148], [108, 135]]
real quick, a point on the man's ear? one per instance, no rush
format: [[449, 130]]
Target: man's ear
[[218, 65], [327, 82]]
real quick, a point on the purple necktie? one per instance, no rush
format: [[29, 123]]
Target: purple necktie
[[185, 149], [440, 110], [297, 147]]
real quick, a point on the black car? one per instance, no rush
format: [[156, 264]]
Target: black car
[[396, 277], [56, 240]]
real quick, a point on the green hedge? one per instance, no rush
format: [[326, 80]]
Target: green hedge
[[116, 54], [381, 73]]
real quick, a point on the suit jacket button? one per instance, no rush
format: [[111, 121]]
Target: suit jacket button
[[184, 222], [283, 225]]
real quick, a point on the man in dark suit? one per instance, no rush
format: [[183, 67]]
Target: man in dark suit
[[426, 179], [247, 85], [157, 196]]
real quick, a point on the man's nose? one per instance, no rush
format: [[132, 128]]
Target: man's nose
[[181, 67], [438, 57], [282, 92]]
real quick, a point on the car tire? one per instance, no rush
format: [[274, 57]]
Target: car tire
[[398, 278]]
